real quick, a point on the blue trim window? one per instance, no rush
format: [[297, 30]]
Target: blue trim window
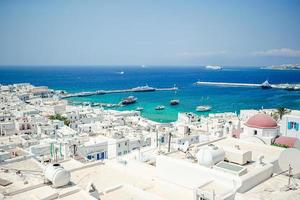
[[101, 156], [293, 125]]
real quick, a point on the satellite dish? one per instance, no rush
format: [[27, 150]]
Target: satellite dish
[[289, 158], [289, 161]]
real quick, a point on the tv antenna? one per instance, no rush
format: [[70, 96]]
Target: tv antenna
[[289, 161]]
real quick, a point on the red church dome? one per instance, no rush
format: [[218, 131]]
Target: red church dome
[[261, 120]]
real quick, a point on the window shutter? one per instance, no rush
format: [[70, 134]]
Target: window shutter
[[289, 125], [297, 126]]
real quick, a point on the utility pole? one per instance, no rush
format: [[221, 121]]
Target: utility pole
[[169, 144]]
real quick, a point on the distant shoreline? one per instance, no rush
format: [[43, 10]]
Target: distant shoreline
[[283, 67]]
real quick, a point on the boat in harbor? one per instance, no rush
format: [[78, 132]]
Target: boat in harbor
[[86, 103], [95, 104], [109, 105], [139, 109], [214, 67], [129, 100], [266, 85], [289, 87], [203, 108], [174, 102], [121, 72], [161, 107], [145, 88]]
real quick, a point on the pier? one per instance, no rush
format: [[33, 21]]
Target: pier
[[102, 92], [228, 84], [286, 86]]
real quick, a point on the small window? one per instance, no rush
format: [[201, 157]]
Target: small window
[[255, 132], [293, 125], [119, 145]]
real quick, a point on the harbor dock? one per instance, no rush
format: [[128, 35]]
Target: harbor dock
[[286, 86], [102, 92], [228, 84]]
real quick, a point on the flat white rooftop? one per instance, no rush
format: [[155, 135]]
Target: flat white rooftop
[[271, 190]]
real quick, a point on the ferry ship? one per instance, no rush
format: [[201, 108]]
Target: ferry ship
[[145, 88], [129, 100], [214, 67]]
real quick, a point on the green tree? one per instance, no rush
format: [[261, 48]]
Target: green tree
[[60, 118], [282, 111]]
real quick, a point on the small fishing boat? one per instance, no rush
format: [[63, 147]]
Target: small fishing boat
[[139, 109], [174, 102], [203, 108], [86, 103], [161, 107], [129, 100], [95, 104]]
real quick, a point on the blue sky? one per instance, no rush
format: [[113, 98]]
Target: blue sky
[[156, 32]]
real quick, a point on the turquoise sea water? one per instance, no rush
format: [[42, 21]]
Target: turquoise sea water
[[75, 79]]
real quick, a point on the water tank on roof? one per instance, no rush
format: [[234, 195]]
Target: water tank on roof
[[210, 155], [57, 175]]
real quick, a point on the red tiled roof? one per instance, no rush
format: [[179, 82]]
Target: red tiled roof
[[283, 140]]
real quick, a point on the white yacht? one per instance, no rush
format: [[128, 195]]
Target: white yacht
[[139, 109], [161, 107], [203, 108]]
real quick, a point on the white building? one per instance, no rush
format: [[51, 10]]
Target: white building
[[95, 149], [261, 128], [290, 125]]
